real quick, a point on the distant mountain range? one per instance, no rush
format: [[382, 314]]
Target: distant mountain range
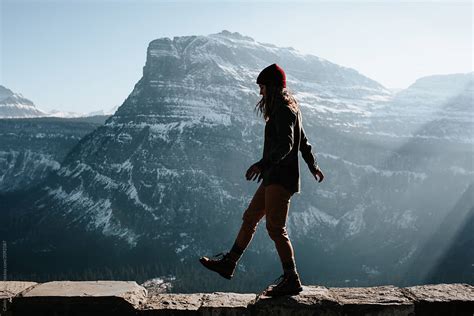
[[161, 181], [14, 105]]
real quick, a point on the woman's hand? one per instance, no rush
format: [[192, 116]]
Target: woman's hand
[[253, 173], [318, 175]]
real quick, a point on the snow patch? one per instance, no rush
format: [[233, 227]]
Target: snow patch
[[353, 221]]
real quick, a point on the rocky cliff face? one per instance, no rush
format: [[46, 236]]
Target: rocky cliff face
[[162, 179], [32, 148]]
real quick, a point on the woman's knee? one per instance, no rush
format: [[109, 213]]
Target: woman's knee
[[250, 220], [276, 231]]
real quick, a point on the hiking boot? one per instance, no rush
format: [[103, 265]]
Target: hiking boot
[[286, 284], [221, 263]]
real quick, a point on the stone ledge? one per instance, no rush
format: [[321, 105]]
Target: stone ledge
[[128, 298], [442, 299], [80, 298], [381, 300], [10, 289]]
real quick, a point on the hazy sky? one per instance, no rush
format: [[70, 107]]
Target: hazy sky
[[86, 55]]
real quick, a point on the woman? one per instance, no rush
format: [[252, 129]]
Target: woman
[[284, 137]]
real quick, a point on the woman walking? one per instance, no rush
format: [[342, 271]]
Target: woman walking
[[284, 138]]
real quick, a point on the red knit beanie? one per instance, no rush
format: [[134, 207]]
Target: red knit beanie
[[272, 75]]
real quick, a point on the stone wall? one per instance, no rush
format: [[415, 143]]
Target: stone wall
[[129, 298]]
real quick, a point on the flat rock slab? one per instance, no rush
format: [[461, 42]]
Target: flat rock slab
[[217, 303], [172, 304], [79, 297], [379, 300], [442, 292], [442, 299], [313, 300], [228, 304]]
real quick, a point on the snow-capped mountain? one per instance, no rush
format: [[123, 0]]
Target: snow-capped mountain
[[103, 112], [14, 105], [439, 106], [64, 114], [69, 114], [434, 91], [162, 179]]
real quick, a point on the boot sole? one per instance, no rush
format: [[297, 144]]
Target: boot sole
[[295, 292], [226, 276]]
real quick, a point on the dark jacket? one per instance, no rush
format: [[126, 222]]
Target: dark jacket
[[284, 137]]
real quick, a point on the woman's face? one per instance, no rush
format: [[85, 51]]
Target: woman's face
[[263, 90]]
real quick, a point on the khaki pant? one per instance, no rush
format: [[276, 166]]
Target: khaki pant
[[273, 201]]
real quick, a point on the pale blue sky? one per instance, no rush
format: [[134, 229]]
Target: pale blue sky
[[86, 55]]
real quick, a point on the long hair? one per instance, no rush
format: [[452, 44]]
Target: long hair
[[274, 94]]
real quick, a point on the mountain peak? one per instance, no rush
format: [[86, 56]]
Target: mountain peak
[[455, 79], [5, 93], [14, 105], [221, 58], [233, 35], [440, 87]]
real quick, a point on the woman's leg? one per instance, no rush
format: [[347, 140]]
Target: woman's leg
[[226, 264], [252, 215], [277, 203]]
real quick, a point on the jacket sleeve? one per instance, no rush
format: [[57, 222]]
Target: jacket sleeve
[[306, 152], [284, 126]]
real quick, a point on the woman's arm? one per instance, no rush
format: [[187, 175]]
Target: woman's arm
[[309, 158], [307, 153]]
